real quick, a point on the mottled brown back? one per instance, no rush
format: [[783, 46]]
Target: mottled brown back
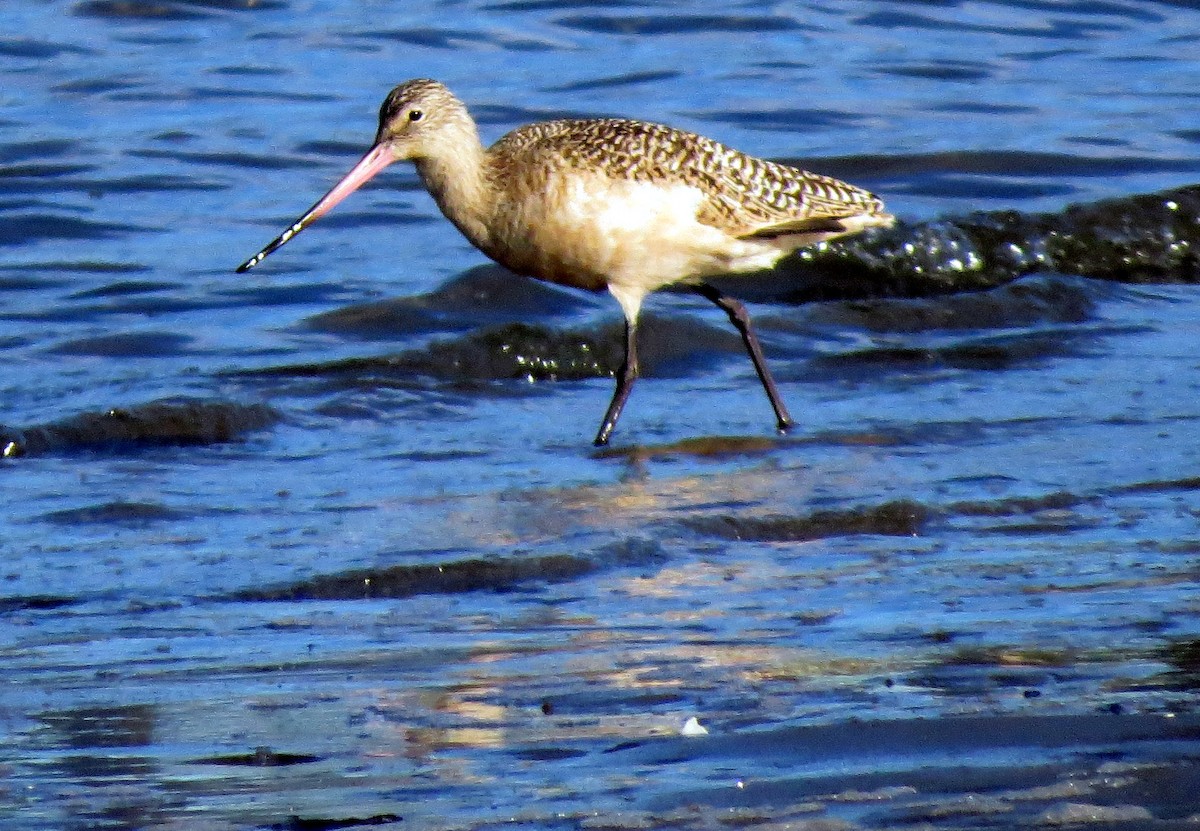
[[745, 196]]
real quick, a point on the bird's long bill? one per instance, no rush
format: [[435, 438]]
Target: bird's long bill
[[379, 157]]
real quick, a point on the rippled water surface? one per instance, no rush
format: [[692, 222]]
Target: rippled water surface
[[327, 544]]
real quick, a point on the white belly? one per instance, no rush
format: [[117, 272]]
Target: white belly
[[594, 231]]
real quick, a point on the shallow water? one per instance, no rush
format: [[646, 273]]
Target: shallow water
[[328, 541]]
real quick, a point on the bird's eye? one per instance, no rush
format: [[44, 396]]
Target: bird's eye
[[415, 115]]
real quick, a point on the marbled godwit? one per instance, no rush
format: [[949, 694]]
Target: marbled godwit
[[608, 204]]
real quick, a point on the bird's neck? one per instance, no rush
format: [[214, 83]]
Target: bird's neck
[[458, 180]]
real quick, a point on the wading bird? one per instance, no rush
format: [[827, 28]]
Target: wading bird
[[608, 203]]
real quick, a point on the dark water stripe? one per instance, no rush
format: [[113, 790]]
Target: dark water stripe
[[42, 180], [336, 150], [122, 288], [442, 37], [1011, 163], [1042, 301], [136, 514], [611, 81], [507, 115], [676, 24], [170, 9], [969, 188], [39, 50], [960, 71], [1060, 29], [223, 93], [100, 86], [172, 97], [126, 345], [136, 10], [261, 757], [545, 5], [18, 151], [57, 267], [947, 737], [38, 170], [158, 423], [990, 353], [20, 230], [976, 107], [243, 160], [902, 518], [909, 518], [461, 576], [782, 118], [251, 71], [911, 771], [33, 603]]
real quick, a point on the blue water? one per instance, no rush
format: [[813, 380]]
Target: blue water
[[1050, 431]]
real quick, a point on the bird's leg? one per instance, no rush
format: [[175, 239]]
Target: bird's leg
[[740, 318], [625, 378]]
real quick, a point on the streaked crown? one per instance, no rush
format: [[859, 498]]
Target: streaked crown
[[416, 109]]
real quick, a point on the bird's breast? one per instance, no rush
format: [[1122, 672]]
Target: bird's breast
[[588, 230]]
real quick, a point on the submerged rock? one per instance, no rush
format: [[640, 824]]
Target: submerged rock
[[459, 576], [899, 518], [513, 351], [1149, 238], [173, 422]]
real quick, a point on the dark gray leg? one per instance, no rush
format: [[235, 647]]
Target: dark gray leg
[[740, 318], [625, 379]]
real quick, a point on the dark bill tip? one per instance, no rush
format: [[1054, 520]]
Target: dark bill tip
[[296, 228], [377, 158]]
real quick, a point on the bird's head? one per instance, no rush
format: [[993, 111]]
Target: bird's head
[[416, 119], [419, 118]]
